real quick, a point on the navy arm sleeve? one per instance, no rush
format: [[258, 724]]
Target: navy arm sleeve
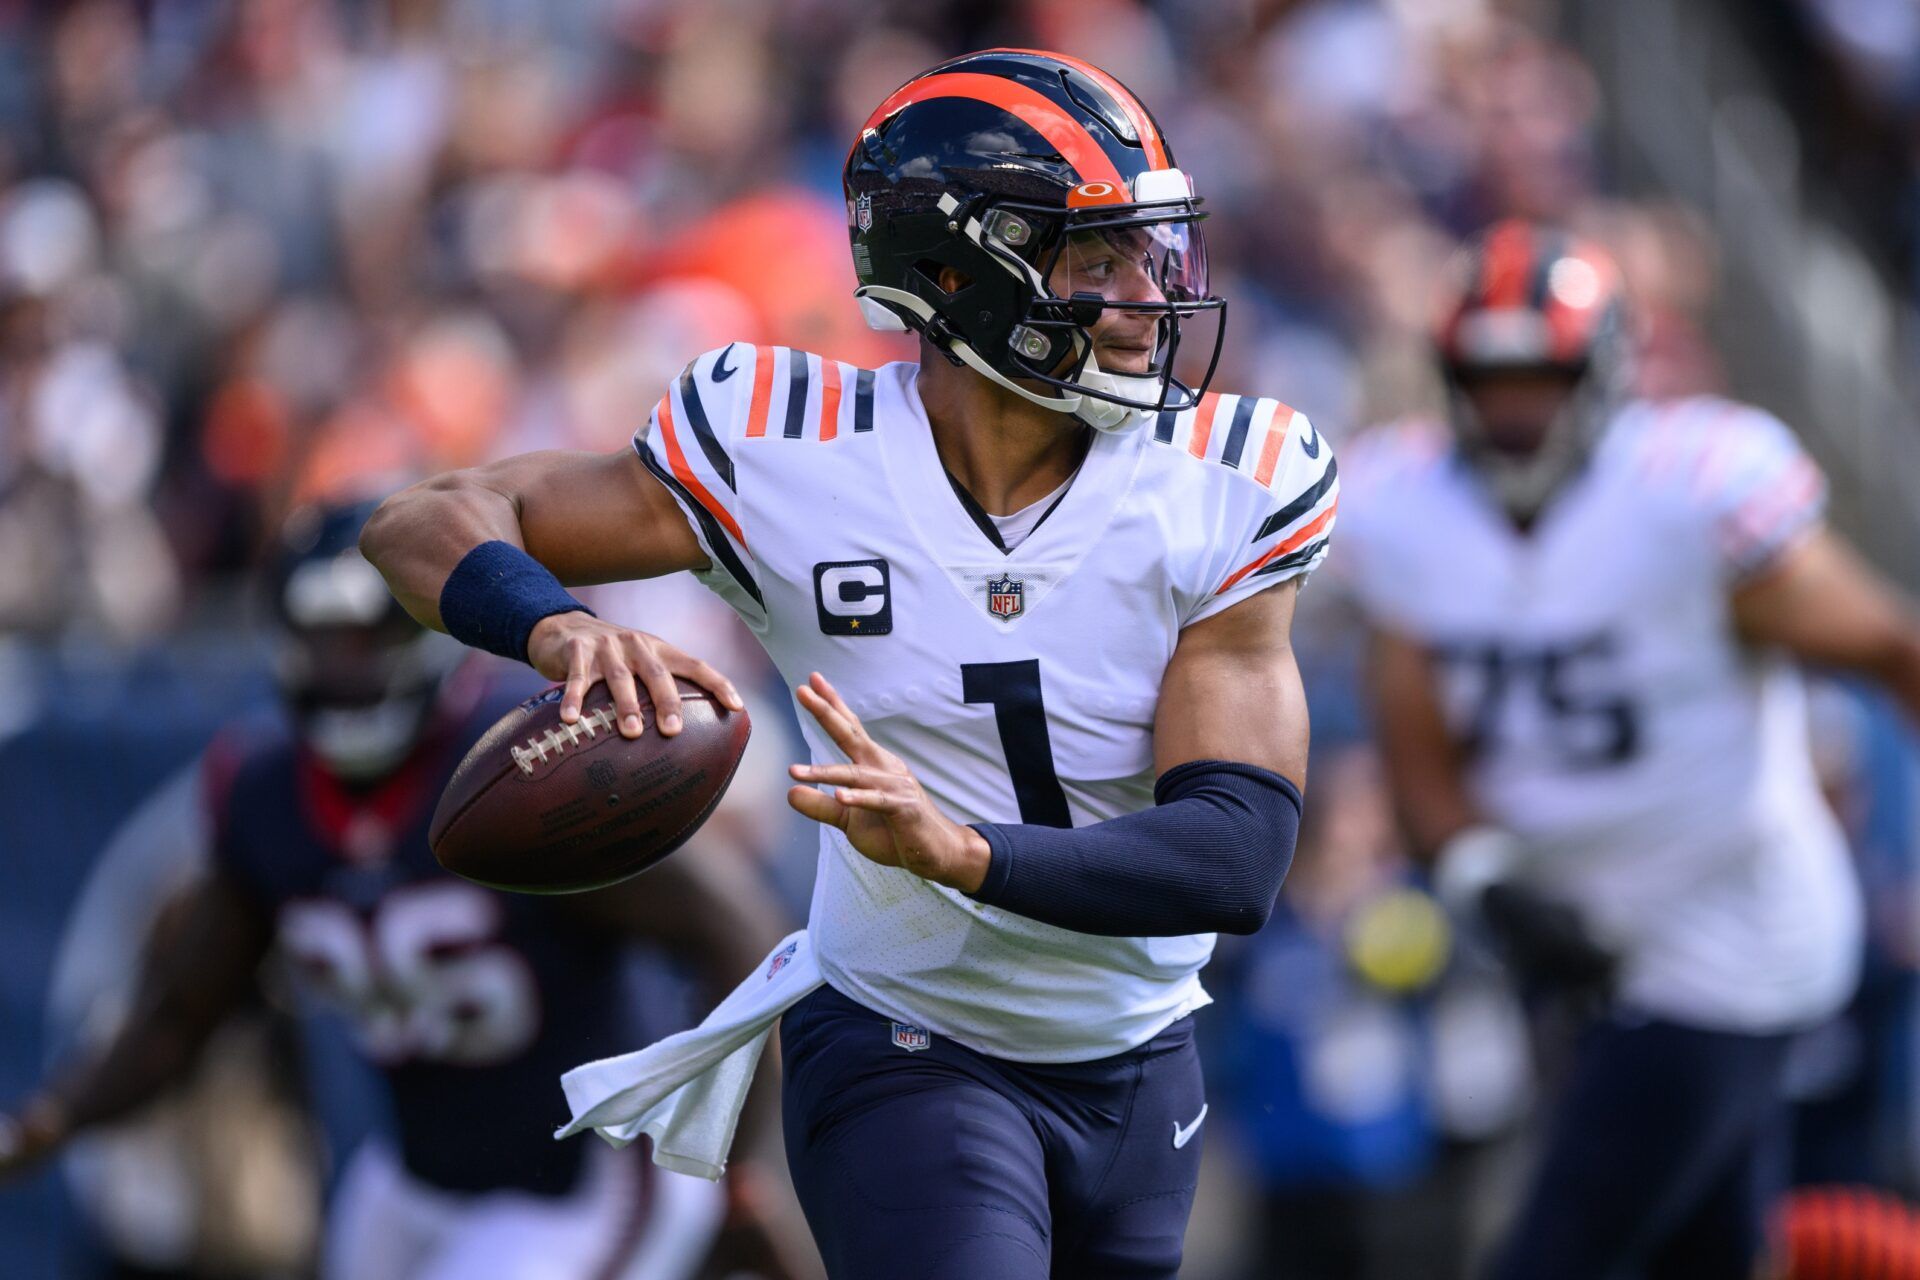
[[1207, 858]]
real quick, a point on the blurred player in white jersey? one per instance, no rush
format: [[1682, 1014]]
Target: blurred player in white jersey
[[1586, 613], [1035, 594]]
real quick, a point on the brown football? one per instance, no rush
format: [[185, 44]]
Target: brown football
[[538, 806]]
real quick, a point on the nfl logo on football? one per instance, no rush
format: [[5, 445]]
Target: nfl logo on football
[[911, 1038], [1006, 597]]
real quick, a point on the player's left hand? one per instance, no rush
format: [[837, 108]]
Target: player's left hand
[[878, 803]]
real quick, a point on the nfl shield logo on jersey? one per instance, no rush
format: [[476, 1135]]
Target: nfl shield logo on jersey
[[911, 1038], [1006, 597]]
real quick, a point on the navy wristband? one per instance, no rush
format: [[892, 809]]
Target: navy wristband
[[495, 596]]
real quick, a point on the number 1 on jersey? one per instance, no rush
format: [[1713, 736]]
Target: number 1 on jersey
[[1013, 690]]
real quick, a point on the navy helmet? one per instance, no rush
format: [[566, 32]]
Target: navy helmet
[[360, 677], [1010, 166]]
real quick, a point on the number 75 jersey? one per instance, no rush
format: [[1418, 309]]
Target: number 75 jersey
[[1607, 710], [1019, 686]]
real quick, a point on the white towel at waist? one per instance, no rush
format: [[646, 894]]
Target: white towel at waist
[[686, 1091]]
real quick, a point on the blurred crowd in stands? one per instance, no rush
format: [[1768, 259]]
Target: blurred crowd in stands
[[255, 250], [258, 252]]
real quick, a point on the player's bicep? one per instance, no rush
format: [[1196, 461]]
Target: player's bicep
[[597, 517], [203, 952], [1821, 603], [1232, 690]]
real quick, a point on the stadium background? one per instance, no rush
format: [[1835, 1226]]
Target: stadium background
[[256, 251]]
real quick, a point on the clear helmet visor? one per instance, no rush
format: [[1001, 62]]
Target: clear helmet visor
[[1150, 263]]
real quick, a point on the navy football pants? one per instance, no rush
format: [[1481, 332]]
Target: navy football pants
[[944, 1164], [1665, 1151]]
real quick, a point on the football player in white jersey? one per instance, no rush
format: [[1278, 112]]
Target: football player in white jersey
[[1586, 610], [1034, 594]]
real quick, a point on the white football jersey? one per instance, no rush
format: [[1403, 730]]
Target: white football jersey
[[1019, 687], [1658, 768]]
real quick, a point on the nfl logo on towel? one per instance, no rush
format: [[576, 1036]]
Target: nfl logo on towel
[[779, 962], [911, 1038], [1006, 597]]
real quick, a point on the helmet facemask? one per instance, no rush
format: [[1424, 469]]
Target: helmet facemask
[[1046, 274], [360, 678], [1492, 342], [362, 695], [1523, 481]]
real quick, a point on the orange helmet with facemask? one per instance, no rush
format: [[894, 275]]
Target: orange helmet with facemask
[[1527, 299]]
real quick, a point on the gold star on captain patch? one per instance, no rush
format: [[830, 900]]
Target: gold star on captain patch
[[854, 623]]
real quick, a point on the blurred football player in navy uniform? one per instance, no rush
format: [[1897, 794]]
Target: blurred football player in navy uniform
[[1587, 609], [469, 1002]]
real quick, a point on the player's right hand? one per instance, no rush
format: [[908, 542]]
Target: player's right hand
[[583, 650], [27, 1137]]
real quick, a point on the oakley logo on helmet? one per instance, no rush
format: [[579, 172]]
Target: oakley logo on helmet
[[1093, 193]]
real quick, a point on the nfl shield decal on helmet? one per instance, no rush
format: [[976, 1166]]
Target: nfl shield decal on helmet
[[911, 1038], [863, 212], [1006, 597]]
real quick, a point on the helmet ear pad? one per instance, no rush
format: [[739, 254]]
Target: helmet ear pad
[[987, 302]]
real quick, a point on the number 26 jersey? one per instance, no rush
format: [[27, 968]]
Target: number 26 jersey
[[1019, 686]]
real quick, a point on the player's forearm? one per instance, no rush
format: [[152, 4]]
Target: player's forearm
[[1209, 857], [141, 1064], [419, 535], [196, 970], [1419, 756], [1432, 808], [1898, 671]]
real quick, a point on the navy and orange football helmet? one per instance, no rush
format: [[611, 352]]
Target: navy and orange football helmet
[[1526, 299], [1003, 165], [359, 677]]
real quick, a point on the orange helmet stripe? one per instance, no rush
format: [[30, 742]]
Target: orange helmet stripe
[[1136, 110], [1066, 135], [1507, 271]]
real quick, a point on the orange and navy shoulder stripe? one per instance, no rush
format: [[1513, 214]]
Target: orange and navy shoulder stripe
[[1251, 436], [1241, 433], [801, 396], [686, 454], [1307, 522]]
